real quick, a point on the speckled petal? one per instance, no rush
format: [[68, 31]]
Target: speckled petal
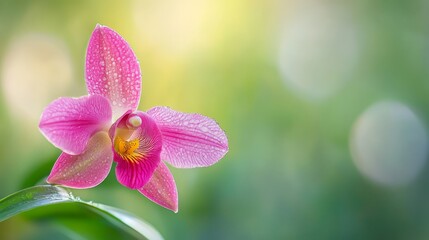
[[161, 188], [137, 149], [112, 70], [189, 140], [69, 123], [87, 169]]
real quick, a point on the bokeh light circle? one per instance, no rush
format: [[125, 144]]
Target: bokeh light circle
[[36, 69], [318, 49], [389, 144]]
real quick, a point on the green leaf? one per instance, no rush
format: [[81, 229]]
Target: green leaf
[[45, 195], [32, 198]]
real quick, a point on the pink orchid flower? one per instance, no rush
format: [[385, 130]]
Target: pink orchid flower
[[105, 126]]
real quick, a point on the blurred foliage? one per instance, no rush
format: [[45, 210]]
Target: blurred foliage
[[289, 173]]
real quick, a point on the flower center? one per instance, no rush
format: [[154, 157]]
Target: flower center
[[128, 149]]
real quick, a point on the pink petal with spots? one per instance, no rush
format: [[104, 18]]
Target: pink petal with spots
[[69, 123], [137, 149], [189, 140], [87, 169], [161, 188], [112, 70]]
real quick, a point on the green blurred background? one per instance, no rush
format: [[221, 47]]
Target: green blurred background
[[325, 104]]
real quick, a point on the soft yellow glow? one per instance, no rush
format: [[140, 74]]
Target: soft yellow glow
[[177, 27], [36, 69]]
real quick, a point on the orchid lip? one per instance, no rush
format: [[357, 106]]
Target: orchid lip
[[136, 149]]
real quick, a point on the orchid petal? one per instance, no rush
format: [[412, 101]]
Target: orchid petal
[[189, 140], [161, 188], [69, 123], [87, 169], [137, 149], [112, 70]]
